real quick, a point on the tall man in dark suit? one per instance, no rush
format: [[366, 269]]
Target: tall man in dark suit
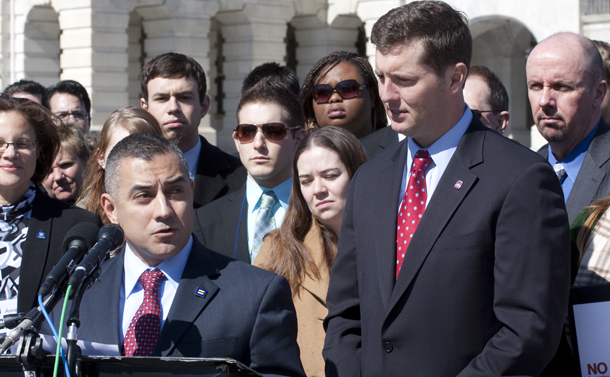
[[566, 88], [270, 127], [174, 92], [197, 303], [454, 254]]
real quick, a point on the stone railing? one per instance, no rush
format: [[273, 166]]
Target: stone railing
[[589, 7]]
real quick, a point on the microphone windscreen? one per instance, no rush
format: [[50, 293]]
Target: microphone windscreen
[[112, 233], [86, 232]]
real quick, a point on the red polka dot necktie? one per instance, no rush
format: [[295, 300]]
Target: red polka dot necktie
[[143, 332], [412, 206]]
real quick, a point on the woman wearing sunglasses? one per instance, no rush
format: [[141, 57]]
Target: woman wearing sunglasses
[[32, 225], [304, 247], [341, 90]]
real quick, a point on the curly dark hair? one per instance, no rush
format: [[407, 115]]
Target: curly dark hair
[[325, 65]]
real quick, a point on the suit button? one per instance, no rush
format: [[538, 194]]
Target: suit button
[[388, 347]]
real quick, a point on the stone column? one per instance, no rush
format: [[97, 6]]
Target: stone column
[[252, 35], [316, 38], [369, 12], [183, 27], [94, 51]]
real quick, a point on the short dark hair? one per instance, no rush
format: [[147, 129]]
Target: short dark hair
[[70, 87], [41, 121], [273, 90], [141, 146], [604, 51], [443, 31], [283, 73], [498, 97], [325, 65], [173, 65], [25, 86]]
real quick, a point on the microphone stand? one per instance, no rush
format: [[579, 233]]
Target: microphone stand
[[30, 353], [73, 323]]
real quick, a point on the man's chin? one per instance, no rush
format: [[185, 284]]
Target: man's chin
[[173, 136], [553, 135]]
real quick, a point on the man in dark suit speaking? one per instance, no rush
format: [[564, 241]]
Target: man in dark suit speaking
[[465, 269], [198, 303]]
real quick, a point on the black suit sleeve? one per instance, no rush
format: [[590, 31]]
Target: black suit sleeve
[[531, 278], [273, 347], [343, 336]]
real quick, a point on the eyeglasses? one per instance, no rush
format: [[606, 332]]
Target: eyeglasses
[[19, 146], [479, 113], [347, 89], [77, 115], [274, 131]]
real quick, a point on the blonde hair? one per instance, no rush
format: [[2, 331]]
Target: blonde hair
[[133, 120]]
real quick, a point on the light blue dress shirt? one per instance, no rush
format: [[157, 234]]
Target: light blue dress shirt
[[132, 294], [572, 162], [441, 152], [192, 158], [253, 196]]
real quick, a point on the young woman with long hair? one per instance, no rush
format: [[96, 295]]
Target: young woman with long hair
[[304, 247]]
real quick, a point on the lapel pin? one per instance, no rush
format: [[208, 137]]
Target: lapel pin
[[41, 235], [200, 292], [458, 185]]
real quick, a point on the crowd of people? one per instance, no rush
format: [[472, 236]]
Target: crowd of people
[[287, 254]]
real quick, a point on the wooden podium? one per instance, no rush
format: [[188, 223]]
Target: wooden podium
[[107, 366]]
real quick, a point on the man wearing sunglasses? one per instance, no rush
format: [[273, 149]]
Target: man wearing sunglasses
[[174, 92], [487, 98], [269, 128], [454, 257]]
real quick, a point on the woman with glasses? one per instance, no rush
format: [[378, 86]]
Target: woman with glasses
[[32, 225], [341, 90], [304, 247], [121, 123]]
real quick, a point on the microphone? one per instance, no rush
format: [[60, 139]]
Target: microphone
[[109, 238], [77, 242]]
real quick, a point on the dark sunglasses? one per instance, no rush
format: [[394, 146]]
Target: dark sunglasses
[[479, 113], [272, 131], [346, 89]]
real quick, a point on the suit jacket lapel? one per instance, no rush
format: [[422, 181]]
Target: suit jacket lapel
[[388, 212], [390, 138], [35, 250], [590, 175], [444, 202], [187, 305], [236, 219], [105, 298], [207, 183]]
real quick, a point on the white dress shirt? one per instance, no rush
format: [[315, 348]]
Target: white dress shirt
[[253, 196], [441, 152], [192, 158], [132, 292]]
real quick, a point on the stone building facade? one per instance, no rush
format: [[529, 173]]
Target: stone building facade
[[104, 43]]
